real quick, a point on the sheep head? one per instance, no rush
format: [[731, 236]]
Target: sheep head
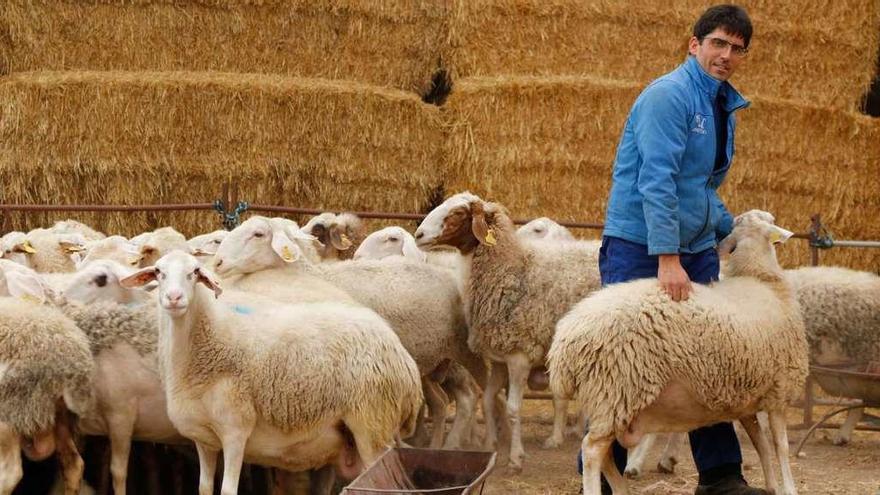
[[464, 221], [390, 241], [259, 243], [99, 280], [334, 232], [177, 274], [544, 228], [750, 248]]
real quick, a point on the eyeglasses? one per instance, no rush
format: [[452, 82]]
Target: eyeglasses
[[722, 44]]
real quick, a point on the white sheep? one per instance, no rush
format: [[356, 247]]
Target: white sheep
[[396, 241], [422, 303], [544, 228], [339, 235], [639, 363], [205, 246], [153, 245], [841, 310], [293, 386], [515, 292], [74, 227], [114, 247], [44, 250], [45, 370]]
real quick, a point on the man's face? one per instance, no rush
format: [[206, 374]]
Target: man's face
[[719, 54]]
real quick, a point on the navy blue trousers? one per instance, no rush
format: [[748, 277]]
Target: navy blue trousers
[[621, 261]]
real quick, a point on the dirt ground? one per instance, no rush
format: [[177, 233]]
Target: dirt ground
[[853, 469]]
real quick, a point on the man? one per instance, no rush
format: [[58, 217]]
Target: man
[[664, 217]]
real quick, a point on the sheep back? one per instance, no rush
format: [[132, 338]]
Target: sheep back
[[421, 302], [515, 298], [841, 310], [732, 344], [108, 323], [43, 357]]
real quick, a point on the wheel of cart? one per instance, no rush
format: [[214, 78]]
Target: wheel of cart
[[854, 381], [425, 471]]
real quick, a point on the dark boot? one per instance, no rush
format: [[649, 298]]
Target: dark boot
[[730, 485]]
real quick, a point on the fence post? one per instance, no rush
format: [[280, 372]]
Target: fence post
[[815, 226]]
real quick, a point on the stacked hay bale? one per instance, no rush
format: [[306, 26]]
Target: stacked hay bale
[[306, 103], [542, 89]]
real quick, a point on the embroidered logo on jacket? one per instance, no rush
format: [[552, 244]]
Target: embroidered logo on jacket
[[699, 125]]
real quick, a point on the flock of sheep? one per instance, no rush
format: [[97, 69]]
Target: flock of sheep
[[317, 347]]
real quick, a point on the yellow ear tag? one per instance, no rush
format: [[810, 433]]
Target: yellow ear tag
[[490, 238], [26, 247], [345, 238], [74, 249], [775, 237], [134, 260], [30, 298], [286, 255]]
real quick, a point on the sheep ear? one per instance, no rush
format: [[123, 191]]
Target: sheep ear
[[778, 235], [286, 249], [139, 278], [338, 238], [26, 286], [411, 250], [208, 279], [727, 245], [479, 226], [24, 247]]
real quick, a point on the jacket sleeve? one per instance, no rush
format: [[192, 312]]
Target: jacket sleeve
[[725, 224], [660, 127]]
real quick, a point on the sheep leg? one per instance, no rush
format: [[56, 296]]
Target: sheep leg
[[780, 436], [121, 428], [765, 451], [560, 411], [595, 451], [419, 437], [636, 459], [844, 434], [233, 441], [72, 465], [518, 369], [207, 468], [437, 401], [10, 459], [493, 386], [465, 404], [669, 456], [612, 475], [322, 481]]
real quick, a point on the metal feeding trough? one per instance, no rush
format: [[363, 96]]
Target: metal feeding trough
[[425, 471], [854, 381]]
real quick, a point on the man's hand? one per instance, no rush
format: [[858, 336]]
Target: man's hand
[[673, 279]]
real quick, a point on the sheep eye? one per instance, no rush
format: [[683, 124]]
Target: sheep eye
[[258, 234], [393, 239], [216, 241]]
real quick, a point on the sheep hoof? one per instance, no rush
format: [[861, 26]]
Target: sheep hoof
[[667, 465], [552, 443], [840, 441], [632, 473]]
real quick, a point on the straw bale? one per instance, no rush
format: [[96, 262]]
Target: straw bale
[[822, 53], [545, 147], [176, 137], [388, 42]]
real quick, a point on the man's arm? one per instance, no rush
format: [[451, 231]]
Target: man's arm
[[660, 126], [725, 225]]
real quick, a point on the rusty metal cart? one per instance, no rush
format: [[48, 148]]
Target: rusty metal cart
[[425, 471]]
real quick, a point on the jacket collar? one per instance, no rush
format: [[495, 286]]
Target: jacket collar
[[711, 86]]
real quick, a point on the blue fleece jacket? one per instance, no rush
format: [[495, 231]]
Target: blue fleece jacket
[[663, 191]]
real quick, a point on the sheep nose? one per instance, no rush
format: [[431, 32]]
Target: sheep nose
[[217, 263], [174, 296], [419, 234]]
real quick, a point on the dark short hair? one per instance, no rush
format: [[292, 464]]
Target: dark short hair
[[731, 18]]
